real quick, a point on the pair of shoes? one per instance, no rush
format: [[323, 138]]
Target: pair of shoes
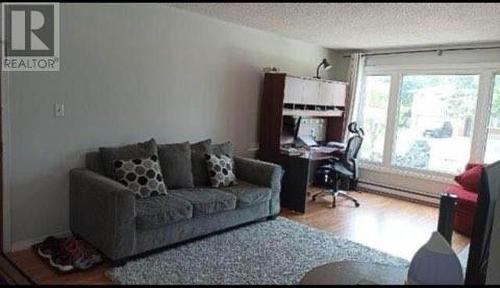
[[69, 253], [77, 255], [52, 248]]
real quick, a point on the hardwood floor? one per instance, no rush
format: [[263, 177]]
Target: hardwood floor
[[394, 226], [391, 225]]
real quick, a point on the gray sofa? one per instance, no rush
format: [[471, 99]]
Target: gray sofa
[[109, 216]]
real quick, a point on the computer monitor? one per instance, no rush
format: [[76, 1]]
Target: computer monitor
[[291, 133], [290, 129]]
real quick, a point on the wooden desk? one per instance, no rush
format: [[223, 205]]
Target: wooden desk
[[284, 97], [299, 174]]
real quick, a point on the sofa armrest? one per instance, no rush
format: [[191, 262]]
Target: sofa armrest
[[263, 174], [102, 211]]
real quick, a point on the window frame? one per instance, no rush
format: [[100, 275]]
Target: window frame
[[484, 140], [486, 73], [358, 108]]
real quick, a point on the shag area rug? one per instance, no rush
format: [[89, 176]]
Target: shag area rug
[[270, 252]]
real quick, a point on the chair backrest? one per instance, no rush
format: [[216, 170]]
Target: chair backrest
[[350, 155], [353, 128]]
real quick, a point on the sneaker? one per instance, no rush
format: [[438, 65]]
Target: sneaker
[[90, 257], [48, 247], [72, 246], [62, 261], [69, 251]]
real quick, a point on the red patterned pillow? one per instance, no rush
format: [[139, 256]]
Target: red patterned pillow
[[470, 179]]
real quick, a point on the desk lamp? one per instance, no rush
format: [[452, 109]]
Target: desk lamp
[[326, 66]]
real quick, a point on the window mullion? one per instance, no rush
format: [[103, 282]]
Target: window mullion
[[359, 114], [482, 117], [391, 118]]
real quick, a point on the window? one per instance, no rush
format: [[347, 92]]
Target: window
[[373, 116], [434, 122], [492, 153], [426, 126]]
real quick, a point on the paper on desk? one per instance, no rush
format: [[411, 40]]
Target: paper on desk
[[324, 149]]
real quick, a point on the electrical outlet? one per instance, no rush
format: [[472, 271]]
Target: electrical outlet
[[59, 110]]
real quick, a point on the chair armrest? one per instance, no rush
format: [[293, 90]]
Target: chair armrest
[[102, 211], [263, 174]]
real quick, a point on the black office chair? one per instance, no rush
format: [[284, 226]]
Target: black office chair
[[345, 168]]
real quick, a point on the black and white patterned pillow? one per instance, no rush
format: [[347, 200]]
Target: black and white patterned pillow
[[142, 176], [220, 170]]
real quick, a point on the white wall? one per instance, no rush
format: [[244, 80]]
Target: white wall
[[341, 64], [130, 72]]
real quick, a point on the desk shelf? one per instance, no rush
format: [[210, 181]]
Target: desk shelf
[[312, 113]]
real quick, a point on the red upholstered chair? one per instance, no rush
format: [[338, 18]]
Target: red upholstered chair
[[466, 190]]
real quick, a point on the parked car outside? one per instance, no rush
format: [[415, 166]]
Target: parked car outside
[[445, 131]]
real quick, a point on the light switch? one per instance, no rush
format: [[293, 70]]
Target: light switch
[[59, 110]]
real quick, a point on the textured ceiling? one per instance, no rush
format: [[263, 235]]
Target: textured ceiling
[[365, 25]]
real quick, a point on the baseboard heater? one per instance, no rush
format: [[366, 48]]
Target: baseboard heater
[[404, 193]]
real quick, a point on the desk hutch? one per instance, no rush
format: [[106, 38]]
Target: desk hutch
[[286, 95]]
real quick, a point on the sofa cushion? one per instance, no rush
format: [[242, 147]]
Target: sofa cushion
[[139, 150], [206, 200], [470, 179], [198, 165], [465, 209], [159, 211], [222, 148], [175, 162], [220, 170], [141, 175], [93, 162], [248, 194]]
